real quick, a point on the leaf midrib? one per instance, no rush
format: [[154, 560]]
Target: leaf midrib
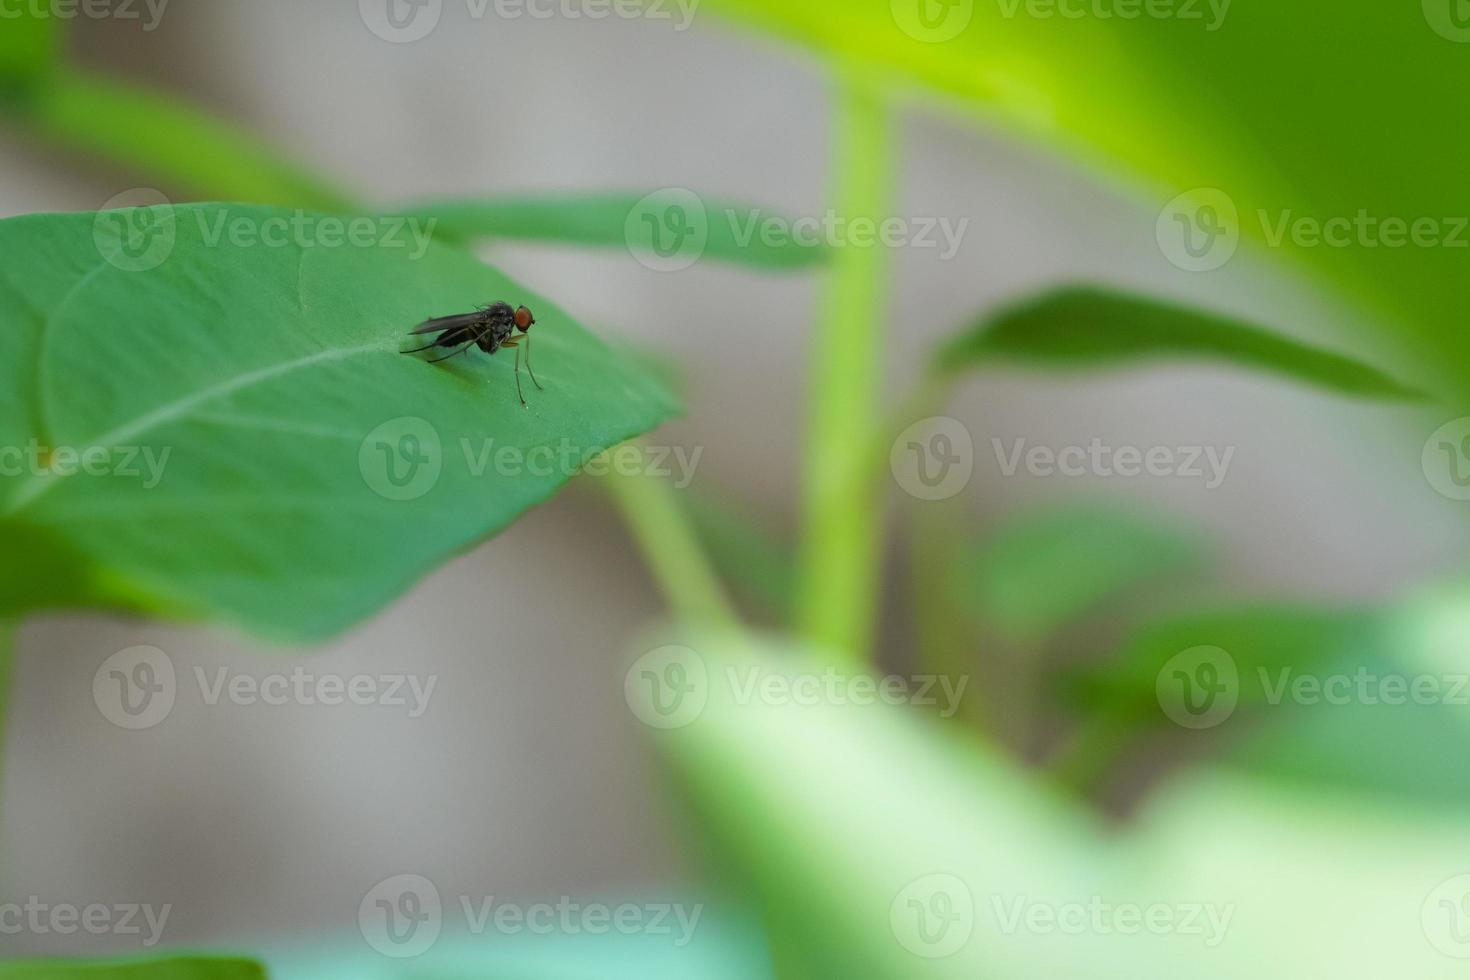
[[35, 487]]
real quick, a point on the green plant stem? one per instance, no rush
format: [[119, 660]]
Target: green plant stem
[[671, 549], [8, 628], [842, 534]]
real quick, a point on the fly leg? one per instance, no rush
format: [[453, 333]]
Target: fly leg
[[467, 346], [527, 338], [515, 342]]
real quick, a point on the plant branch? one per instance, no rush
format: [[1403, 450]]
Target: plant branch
[[841, 546], [671, 549]]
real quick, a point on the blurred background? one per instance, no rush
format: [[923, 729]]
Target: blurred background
[[528, 777]]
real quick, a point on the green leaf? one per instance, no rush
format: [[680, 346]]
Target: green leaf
[[1388, 721], [162, 968], [717, 230], [1199, 675], [883, 847], [260, 451], [30, 43], [169, 141], [1042, 570], [1238, 104], [1085, 327], [1259, 641]]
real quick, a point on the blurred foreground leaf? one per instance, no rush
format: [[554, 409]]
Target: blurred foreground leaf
[[1089, 328], [206, 413], [161, 968], [884, 849], [675, 226]]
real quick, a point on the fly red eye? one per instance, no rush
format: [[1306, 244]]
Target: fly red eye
[[524, 319]]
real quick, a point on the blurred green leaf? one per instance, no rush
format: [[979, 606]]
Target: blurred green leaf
[[168, 141], [1409, 751], [1389, 721], [758, 566], [884, 848], [1042, 570], [1085, 327], [259, 449], [159, 968], [1260, 641], [30, 43], [1251, 103], [717, 230]]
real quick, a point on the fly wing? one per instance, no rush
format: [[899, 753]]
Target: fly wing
[[452, 323]]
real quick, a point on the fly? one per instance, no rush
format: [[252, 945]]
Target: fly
[[489, 328]]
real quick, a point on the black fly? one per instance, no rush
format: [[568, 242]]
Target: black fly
[[489, 328]]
